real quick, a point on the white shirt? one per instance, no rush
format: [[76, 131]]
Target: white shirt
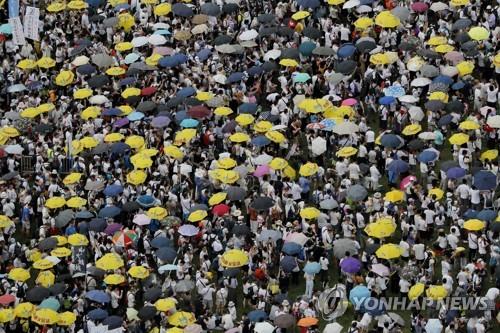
[[419, 251]]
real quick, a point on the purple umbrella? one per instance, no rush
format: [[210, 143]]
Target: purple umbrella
[[121, 122], [112, 228], [188, 230], [350, 265], [261, 171], [160, 122], [419, 7]]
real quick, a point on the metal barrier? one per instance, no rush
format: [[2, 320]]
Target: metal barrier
[[27, 164]]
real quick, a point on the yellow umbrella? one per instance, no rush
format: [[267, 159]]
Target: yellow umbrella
[[35, 255], [415, 63], [114, 279], [126, 21], [44, 317], [138, 272], [43, 264], [10, 132], [115, 3], [465, 68], [300, 15], [275, 136], [157, 213], [380, 229], [19, 274], [66, 318], [29, 113], [439, 96], [55, 202], [290, 172], [412, 129], [124, 46], [153, 59], [379, 59], [309, 213], [72, 178], [217, 198], [363, 23], [181, 319], [437, 40], [125, 109], [416, 290], [228, 176], [469, 125], [90, 112], [65, 78], [308, 169], [458, 3], [116, 71], [347, 151], [78, 240], [244, 119], [474, 225], [60, 252], [26, 64], [82, 93], [278, 163], [46, 279], [149, 152], [289, 62], [185, 135], [204, 96], [239, 137], [165, 304], [46, 62], [56, 7], [262, 126], [110, 261], [163, 9], [394, 196], [479, 33], [46, 107], [76, 202], [174, 152], [226, 163], [389, 251], [5, 221], [234, 259], [437, 192], [24, 310], [223, 111], [6, 315], [436, 292], [173, 330], [445, 48], [114, 137], [316, 105], [135, 141], [459, 139], [136, 177], [131, 92], [141, 161], [335, 2], [387, 20], [77, 5], [490, 155], [496, 60]]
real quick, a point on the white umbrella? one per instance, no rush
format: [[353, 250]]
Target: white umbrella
[[271, 55], [160, 25], [420, 82], [199, 29], [248, 35], [98, 99], [438, 6], [263, 327], [278, 127], [13, 149], [364, 9], [80, 60], [494, 121], [449, 70], [333, 328], [157, 40], [428, 136], [249, 44], [318, 146], [408, 99], [416, 113], [53, 259], [351, 4], [263, 159], [219, 78], [139, 41], [225, 48], [345, 128]]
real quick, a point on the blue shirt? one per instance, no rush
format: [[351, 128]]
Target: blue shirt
[[305, 184]]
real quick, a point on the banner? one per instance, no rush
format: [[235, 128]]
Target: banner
[[17, 31], [31, 20], [13, 6]]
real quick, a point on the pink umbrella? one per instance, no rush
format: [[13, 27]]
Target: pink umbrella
[[350, 101], [454, 56], [315, 126], [141, 219], [419, 7], [380, 269], [407, 181], [261, 171], [163, 50]]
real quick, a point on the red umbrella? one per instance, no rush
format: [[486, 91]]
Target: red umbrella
[[148, 91], [419, 7], [220, 210], [199, 112], [7, 299]]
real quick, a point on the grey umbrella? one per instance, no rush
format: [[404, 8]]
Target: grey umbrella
[[335, 78], [328, 204], [438, 86], [408, 272], [230, 8], [285, 320], [323, 51], [110, 22], [215, 102], [461, 24], [10, 175], [428, 53], [265, 18], [240, 230], [402, 12], [274, 235], [184, 286], [434, 105], [346, 67], [446, 165], [98, 81], [285, 31], [142, 66], [397, 318], [429, 71], [152, 294], [64, 217], [312, 32], [47, 244], [12, 115], [293, 53], [462, 37], [94, 186], [357, 193], [262, 203], [366, 46], [100, 149], [198, 207], [146, 106], [407, 46], [267, 31], [235, 193], [343, 245], [269, 66], [222, 39], [469, 45], [102, 60], [183, 10], [210, 9]]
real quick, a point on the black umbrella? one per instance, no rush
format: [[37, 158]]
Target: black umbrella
[[96, 272], [416, 144], [222, 39], [461, 24], [37, 294], [240, 230], [10, 175], [97, 225], [428, 53], [445, 120], [230, 8], [434, 105], [446, 165], [269, 66], [86, 69], [366, 46], [152, 294], [371, 248], [57, 289], [290, 52], [455, 106], [267, 31], [407, 46], [312, 32], [323, 51], [210, 9], [262, 203], [47, 244], [113, 322], [229, 127], [133, 99], [236, 193], [198, 207], [147, 312], [64, 217], [97, 18], [98, 81], [131, 206], [233, 272], [166, 254], [285, 31], [346, 67], [463, 38], [265, 18], [183, 10], [146, 106], [100, 149], [44, 128]]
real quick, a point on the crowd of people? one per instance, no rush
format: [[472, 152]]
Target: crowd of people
[[220, 166]]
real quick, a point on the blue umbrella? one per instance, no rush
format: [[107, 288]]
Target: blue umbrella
[[97, 225], [97, 314], [180, 58], [183, 10], [427, 156], [288, 263], [470, 213], [255, 70], [167, 268], [312, 268], [260, 141], [97, 296], [484, 180], [86, 69], [135, 116], [119, 147], [300, 77], [235, 77], [95, 3], [395, 91], [455, 173], [204, 54], [443, 79], [257, 316], [186, 92], [109, 211], [328, 123], [160, 122], [386, 100], [373, 306], [131, 58], [113, 322], [16, 88], [160, 242], [358, 294], [346, 50], [390, 140], [84, 214], [166, 254], [146, 201], [162, 32], [6, 29], [113, 190], [306, 48], [168, 61], [50, 303], [35, 85], [128, 80], [309, 3], [189, 123], [398, 166], [486, 215], [248, 108], [445, 120], [114, 112], [121, 6], [188, 230], [291, 248], [180, 116], [458, 85]]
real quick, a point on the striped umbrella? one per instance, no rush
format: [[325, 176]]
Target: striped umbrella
[[124, 238]]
